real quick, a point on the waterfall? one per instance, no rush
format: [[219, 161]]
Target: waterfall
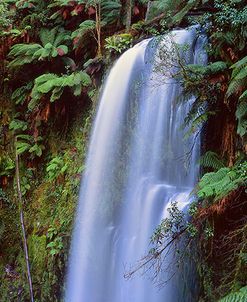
[[136, 165]]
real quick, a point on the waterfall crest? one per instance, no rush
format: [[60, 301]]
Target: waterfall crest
[[135, 167]]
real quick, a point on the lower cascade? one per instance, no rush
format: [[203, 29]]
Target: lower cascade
[[137, 164]]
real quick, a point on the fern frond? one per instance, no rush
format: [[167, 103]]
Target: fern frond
[[180, 15], [211, 160], [20, 94], [110, 11], [240, 63], [198, 121], [212, 68], [47, 35], [241, 115], [241, 74], [55, 84], [238, 296], [243, 96], [235, 86], [220, 183]]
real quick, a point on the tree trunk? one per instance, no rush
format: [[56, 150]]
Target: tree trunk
[[25, 247], [128, 13], [98, 28], [148, 10]]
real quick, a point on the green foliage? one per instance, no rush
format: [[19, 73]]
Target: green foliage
[[52, 45], [238, 296], [220, 183], [238, 79], [177, 18], [7, 165], [241, 115], [110, 10], [87, 27], [119, 43], [211, 160], [5, 16], [54, 84], [55, 245], [168, 6], [56, 167], [27, 143], [17, 124], [36, 29], [238, 86], [170, 226], [20, 94], [209, 69]]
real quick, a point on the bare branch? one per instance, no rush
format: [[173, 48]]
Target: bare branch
[[23, 224]]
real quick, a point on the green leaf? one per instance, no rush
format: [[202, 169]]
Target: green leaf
[[21, 147]]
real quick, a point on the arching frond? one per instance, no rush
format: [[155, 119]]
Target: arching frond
[[211, 160]]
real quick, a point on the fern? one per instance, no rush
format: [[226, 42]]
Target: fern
[[238, 296], [85, 28], [27, 143], [51, 47], [198, 119], [55, 84], [241, 115], [239, 77], [222, 39], [23, 54], [119, 43], [211, 160], [220, 183], [56, 167], [110, 11], [17, 124], [210, 69], [243, 96], [20, 94], [181, 14]]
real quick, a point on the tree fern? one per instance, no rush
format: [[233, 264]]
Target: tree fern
[[110, 11], [51, 47], [55, 84], [85, 28], [238, 296]]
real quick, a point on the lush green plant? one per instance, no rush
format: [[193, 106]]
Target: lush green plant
[[20, 94], [56, 167], [7, 165], [54, 84], [238, 296], [28, 143], [220, 183], [119, 43], [5, 16], [17, 124], [211, 160], [238, 86], [52, 45], [55, 245]]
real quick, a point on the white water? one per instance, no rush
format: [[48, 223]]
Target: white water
[[135, 168]]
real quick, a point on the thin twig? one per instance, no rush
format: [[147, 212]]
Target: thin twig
[[23, 224]]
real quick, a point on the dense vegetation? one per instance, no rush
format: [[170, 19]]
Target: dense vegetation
[[53, 56]]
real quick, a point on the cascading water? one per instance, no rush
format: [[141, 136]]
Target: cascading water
[[135, 168]]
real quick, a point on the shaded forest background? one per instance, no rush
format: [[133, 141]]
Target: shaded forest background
[[53, 58]]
